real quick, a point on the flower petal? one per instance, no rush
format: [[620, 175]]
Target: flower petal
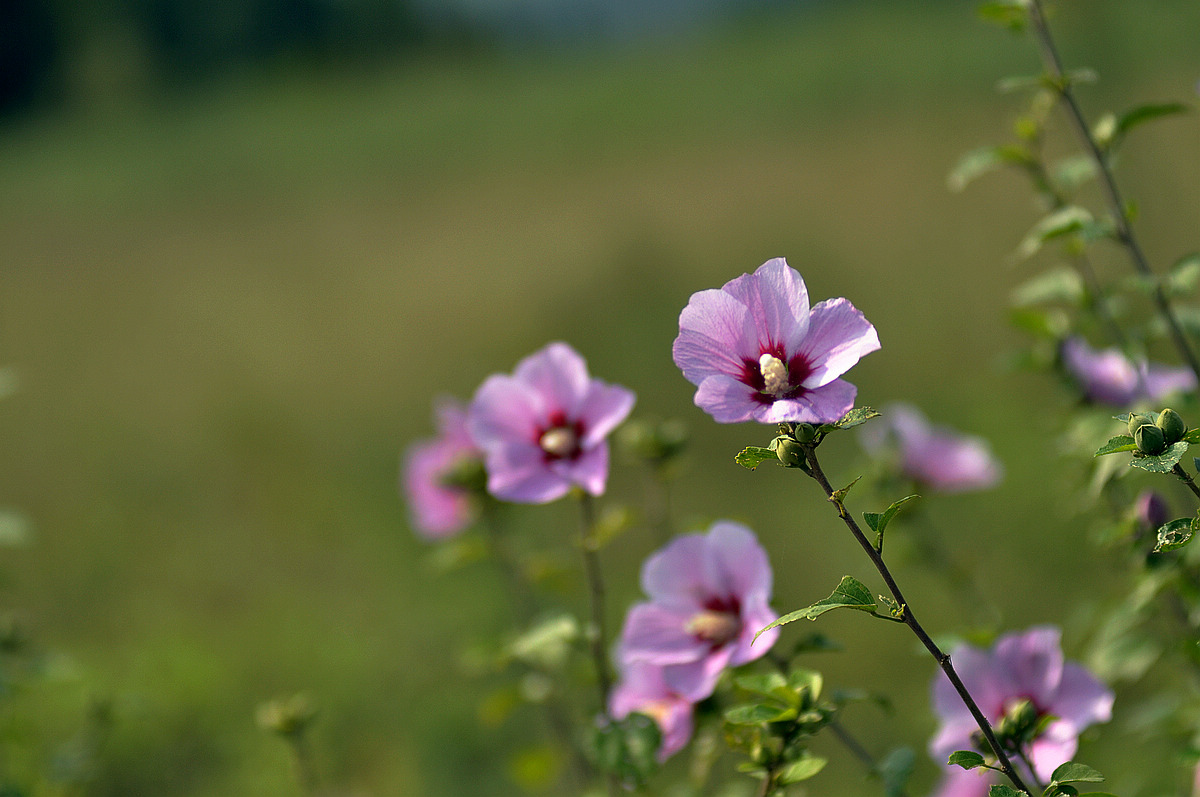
[[825, 404], [656, 634], [728, 400], [756, 615], [838, 337], [712, 337], [676, 575], [602, 409], [589, 470], [1033, 661], [558, 374], [1162, 381], [777, 300], [696, 680], [1082, 699], [959, 782], [504, 410], [735, 563], [518, 473]]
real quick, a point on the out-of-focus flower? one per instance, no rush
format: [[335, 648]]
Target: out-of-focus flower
[[642, 689], [936, 457], [1150, 510], [544, 429], [1020, 667], [440, 505], [1109, 377], [709, 595], [756, 351]]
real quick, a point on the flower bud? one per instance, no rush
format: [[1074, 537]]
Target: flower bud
[[1137, 419], [1149, 439], [1172, 426], [805, 432], [790, 453]]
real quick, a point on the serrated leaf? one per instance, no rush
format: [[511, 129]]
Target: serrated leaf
[[1064, 221], [1192, 436], [985, 160], [967, 759], [849, 594], [751, 457], [1001, 790], [856, 417], [1056, 285], [1115, 445], [895, 769], [1174, 535], [1075, 772], [802, 769], [758, 713], [1164, 462]]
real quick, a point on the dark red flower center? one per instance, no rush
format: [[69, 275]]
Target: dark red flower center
[[560, 438], [774, 375], [718, 623]]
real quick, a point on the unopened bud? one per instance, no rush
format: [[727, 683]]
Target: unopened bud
[[1137, 419], [805, 432], [1149, 439], [1172, 425], [790, 452]]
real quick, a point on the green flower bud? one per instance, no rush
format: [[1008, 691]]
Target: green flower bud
[[805, 432], [1173, 427], [790, 453], [1137, 419], [1149, 439]]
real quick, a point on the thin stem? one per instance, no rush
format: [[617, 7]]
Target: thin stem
[[599, 637], [306, 774], [910, 619], [1186, 478], [1108, 183], [858, 751]]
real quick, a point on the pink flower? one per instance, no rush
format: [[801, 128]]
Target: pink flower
[[543, 430], [757, 352], [642, 689], [437, 508], [709, 596], [934, 456], [1020, 666], [1109, 377]]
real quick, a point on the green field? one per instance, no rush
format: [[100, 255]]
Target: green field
[[229, 314]]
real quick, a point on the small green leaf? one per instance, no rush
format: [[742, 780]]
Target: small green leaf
[[753, 456], [1000, 790], [840, 495], [1009, 14], [967, 759], [1056, 285], [984, 160], [1115, 445], [547, 644], [758, 713], [801, 769], [1174, 534], [1074, 772], [856, 417], [1192, 436], [1064, 221], [1185, 274], [763, 684], [895, 769], [1164, 462], [849, 594], [1145, 113], [1075, 170], [1050, 323], [878, 521]]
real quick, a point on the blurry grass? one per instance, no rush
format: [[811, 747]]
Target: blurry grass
[[231, 311]]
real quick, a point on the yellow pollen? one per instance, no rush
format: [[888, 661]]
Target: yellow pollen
[[715, 627], [774, 373], [559, 441]]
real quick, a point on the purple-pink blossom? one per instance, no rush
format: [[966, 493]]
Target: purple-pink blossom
[[936, 457], [709, 595], [437, 507], [756, 351], [544, 429], [1109, 377], [1020, 666], [641, 689]]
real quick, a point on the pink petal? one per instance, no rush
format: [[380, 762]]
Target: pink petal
[[712, 337], [777, 300], [518, 473], [1081, 700], [696, 680], [756, 615], [675, 575], [1033, 660], [838, 337], [1053, 748], [436, 511], [656, 634], [824, 404], [602, 409], [729, 401], [558, 374], [589, 470], [1162, 381], [959, 782], [504, 410], [735, 564]]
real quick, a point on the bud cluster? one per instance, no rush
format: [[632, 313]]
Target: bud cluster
[[1153, 434]]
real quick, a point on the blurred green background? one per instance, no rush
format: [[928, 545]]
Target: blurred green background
[[230, 304]]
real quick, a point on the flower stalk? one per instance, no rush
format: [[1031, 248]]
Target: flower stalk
[[813, 469]]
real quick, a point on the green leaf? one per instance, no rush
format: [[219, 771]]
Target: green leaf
[[763, 684], [758, 713], [967, 759], [1145, 113], [1000, 790], [547, 644], [849, 594], [1050, 323], [1011, 14], [1064, 221], [878, 521], [840, 495], [1075, 170], [1074, 772], [895, 769], [985, 160], [1174, 535], [856, 417], [1164, 462], [1056, 285], [801, 769], [1115, 445], [753, 456], [1192, 436], [1185, 274]]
